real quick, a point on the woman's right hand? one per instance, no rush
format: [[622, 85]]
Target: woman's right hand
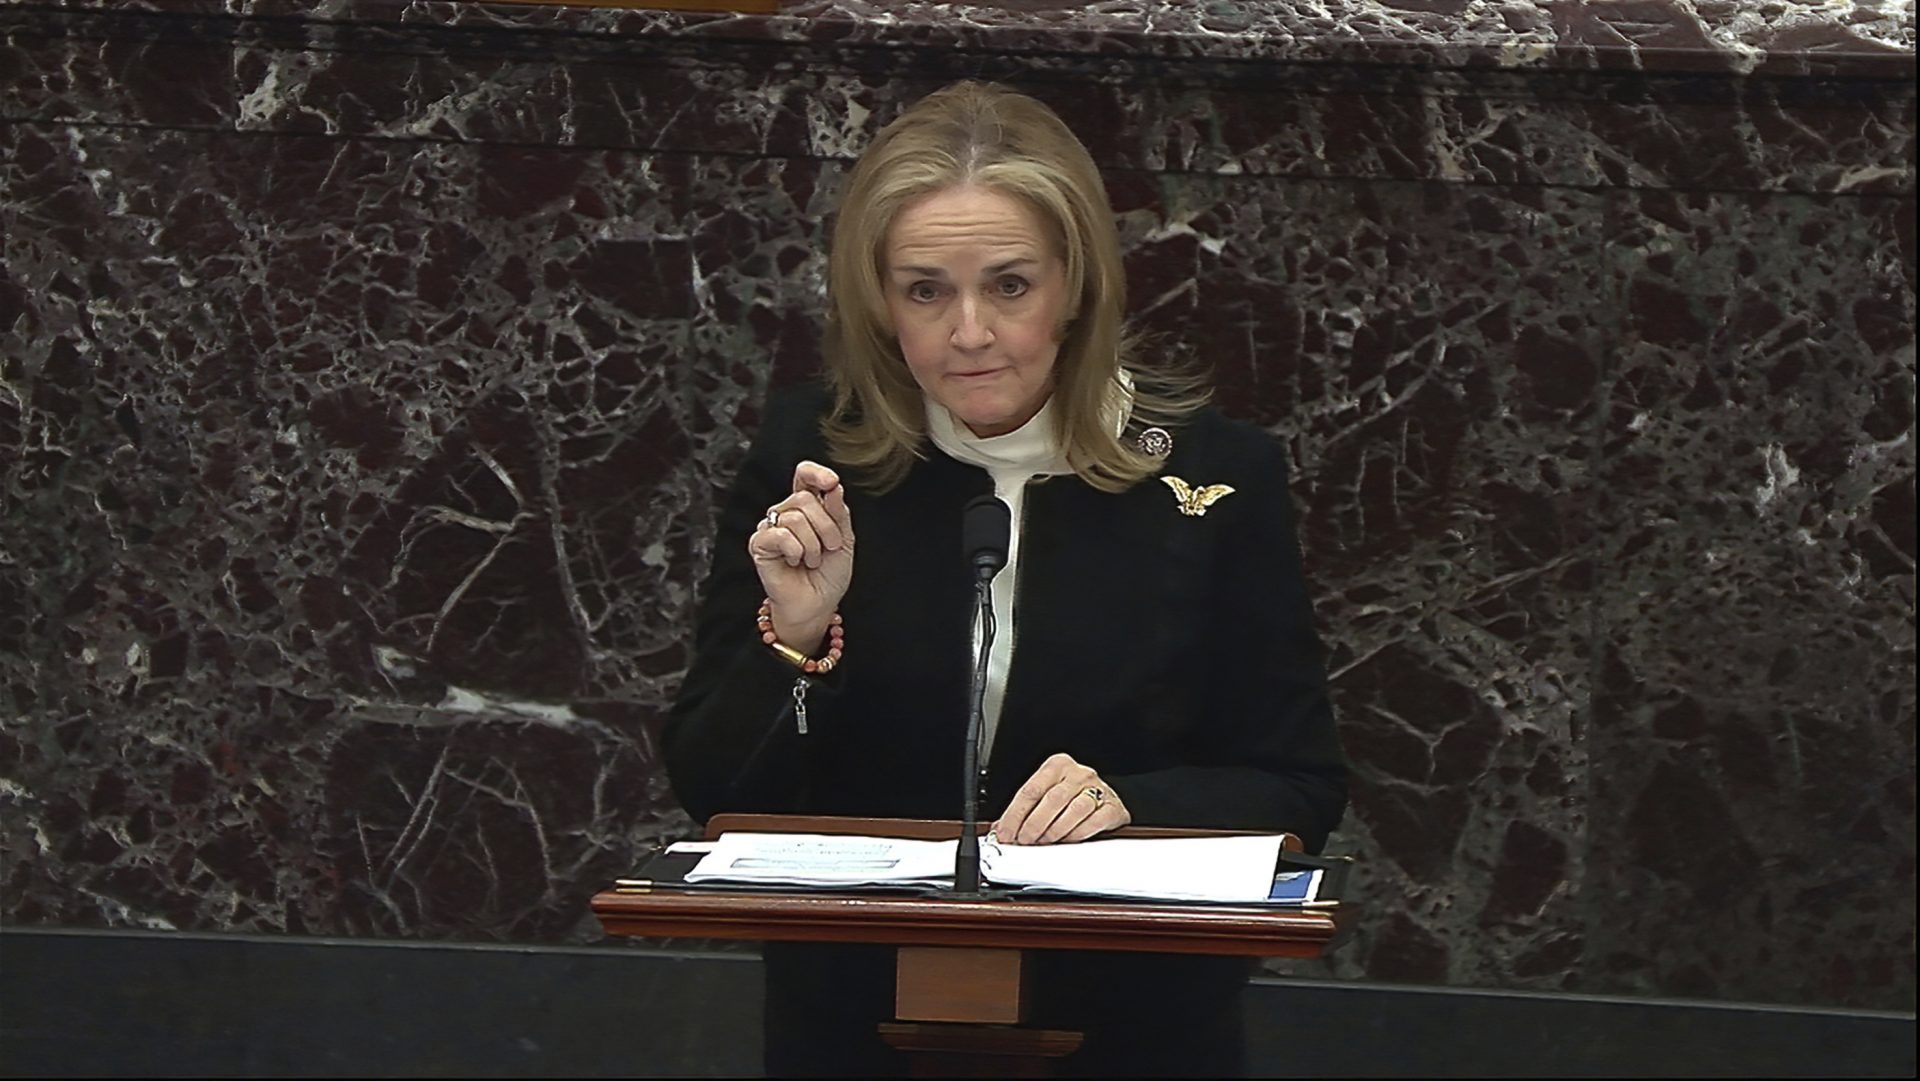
[[803, 551]]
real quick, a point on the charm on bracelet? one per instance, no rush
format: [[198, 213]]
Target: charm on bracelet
[[813, 666]]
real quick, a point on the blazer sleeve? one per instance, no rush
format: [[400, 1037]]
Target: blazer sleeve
[[1267, 756], [732, 742]]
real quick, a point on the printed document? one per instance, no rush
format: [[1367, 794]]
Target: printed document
[[1231, 869], [1235, 869], [815, 859]]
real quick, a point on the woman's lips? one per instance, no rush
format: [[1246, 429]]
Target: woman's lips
[[980, 374]]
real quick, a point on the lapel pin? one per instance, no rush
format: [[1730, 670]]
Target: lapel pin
[[1195, 501], [1155, 442]]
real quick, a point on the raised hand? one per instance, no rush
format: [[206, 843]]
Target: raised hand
[[803, 551]]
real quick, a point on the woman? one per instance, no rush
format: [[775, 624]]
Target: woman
[[1155, 661]]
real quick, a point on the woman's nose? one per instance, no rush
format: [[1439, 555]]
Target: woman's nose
[[970, 328]]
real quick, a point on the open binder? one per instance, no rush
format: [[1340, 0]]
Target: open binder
[[1298, 880]]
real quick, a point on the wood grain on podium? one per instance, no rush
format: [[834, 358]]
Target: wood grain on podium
[[908, 920], [971, 985]]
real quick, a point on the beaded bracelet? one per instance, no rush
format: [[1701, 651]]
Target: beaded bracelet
[[836, 640]]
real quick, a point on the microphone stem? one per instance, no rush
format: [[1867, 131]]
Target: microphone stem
[[966, 869]]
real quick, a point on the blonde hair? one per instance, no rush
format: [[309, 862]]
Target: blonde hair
[[980, 133]]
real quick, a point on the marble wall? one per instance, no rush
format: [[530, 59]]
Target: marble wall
[[369, 375]]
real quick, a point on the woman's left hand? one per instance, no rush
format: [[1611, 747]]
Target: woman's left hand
[[1062, 801]]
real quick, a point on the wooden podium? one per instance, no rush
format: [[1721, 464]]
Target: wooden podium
[[960, 996]]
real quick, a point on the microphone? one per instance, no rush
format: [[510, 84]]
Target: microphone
[[986, 531]]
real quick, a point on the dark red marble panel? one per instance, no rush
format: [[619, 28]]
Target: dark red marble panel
[[1847, 39], [356, 460], [1753, 727], [648, 92], [1431, 356]]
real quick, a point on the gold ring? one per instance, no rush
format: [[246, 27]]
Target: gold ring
[[1099, 795]]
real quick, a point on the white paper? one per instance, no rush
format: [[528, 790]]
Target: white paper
[[1225, 869], [690, 848], [812, 859], [1238, 870]]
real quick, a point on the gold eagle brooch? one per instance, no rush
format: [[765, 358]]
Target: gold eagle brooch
[[1195, 501]]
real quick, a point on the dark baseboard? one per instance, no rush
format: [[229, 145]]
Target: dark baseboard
[[111, 1003]]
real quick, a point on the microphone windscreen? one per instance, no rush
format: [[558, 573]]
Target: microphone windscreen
[[986, 529]]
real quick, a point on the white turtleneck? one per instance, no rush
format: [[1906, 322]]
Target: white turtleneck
[[1029, 451]]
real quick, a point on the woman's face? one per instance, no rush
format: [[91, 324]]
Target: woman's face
[[976, 289]]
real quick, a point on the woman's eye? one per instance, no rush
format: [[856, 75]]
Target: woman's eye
[[922, 291], [1013, 287]]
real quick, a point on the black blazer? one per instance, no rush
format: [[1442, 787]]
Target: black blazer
[[1173, 653]]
